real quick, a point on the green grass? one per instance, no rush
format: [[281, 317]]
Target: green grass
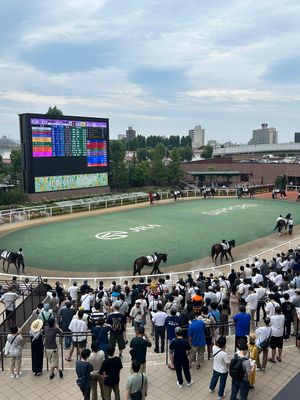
[[185, 234]]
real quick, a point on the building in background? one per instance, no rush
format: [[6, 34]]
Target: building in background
[[264, 135], [197, 136], [297, 137], [130, 133]]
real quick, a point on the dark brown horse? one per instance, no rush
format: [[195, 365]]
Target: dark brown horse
[[12, 258], [142, 261], [282, 224], [218, 249]]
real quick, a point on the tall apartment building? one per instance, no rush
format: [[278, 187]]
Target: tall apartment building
[[130, 133], [264, 135], [197, 136], [297, 137]]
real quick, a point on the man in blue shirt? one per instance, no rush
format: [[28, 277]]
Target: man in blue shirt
[[171, 322], [196, 334], [242, 325]]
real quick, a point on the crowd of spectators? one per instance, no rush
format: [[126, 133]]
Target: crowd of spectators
[[190, 319]]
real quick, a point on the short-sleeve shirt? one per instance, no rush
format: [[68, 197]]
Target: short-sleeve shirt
[[220, 358], [180, 347], [16, 344], [196, 332], [242, 321], [111, 367], [9, 299], [50, 337], [117, 322]]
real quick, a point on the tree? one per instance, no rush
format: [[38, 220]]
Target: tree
[[185, 153], [139, 173], [207, 151], [157, 168], [174, 169], [54, 111], [118, 170], [186, 141], [142, 154], [15, 168], [281, 182]]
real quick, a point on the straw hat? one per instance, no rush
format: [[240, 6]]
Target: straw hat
[[36, 325]]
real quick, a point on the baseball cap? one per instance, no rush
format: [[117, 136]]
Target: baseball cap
[[178, 330]]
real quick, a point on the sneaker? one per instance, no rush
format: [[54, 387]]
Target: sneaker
[[68, 359], [60, 373], [18, 376], [52, 375], [190, 383], [180, 386], [210, 390], [12, 376], [220, 398]]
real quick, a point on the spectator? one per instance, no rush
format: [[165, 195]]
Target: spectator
[[110, 370], [180, 348], [78, 327], [66, 315], [159, 320], [37, 347], [100, 334], [51, 331], [139, 345], [171, 322], [117, 321], [9, 300], [96, 358], [83, 370], [241, 385], [196, 334], [271, 305], [73, 291], [287, 310], [252, 299], [86, 300], [242, 329], [15, 354], [220, 367], [261, 296], [136, 315], [46, 314], [137, 383], [253, 356], [59, 291], [84, 287], [263, 338], [277, 326]]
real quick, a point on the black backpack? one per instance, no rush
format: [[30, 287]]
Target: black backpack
[[236, 370]]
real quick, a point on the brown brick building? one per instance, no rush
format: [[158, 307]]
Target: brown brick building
[[253, 173]]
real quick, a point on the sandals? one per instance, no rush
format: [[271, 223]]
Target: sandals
[[278, 359], [272, 361]]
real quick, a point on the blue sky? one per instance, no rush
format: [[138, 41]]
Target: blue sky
[[161, 66]]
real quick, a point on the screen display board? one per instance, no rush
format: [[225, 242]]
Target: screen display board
[[62, 153]]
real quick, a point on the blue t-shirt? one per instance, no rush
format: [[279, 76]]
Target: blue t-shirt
[[171, 323], [216, 315], [197, 332], [242, 321]]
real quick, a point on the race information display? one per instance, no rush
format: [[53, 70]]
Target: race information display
[[62, 153]]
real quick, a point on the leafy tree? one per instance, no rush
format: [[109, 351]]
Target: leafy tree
[[131, 145], [158, 152], [207, 151], [118, 170], [174, 141], [142, 154], [139, 174], [186, 141], [174, 169], [15, 168], [140, 142], [54, 111], [157, 168], [185, 153], [281, 182]]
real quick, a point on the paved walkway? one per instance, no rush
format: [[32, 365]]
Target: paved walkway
[[162, 381]]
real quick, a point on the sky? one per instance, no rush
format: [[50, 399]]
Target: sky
[[161, 66]]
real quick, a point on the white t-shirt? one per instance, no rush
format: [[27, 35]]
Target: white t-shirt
[[263, 333], [248, 272], [159, 318], [257, 279], [277, 325], [261, 292], [270, 308], [252, 299], [86, 301], [73, 290], [78, 325], [220, 360]]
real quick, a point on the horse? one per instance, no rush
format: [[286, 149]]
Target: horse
[[245, 192], [149, 261], [275, 192], [282, 224], [218, 249], [12, 258], [156, 197]]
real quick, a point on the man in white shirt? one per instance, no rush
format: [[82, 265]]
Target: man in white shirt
[[277, 326], [263, 333], [9, 299], [73, 291], [86, 300], [78, 327], [257, 278], [247, 271], [261, 294], [271, 305], [220, 367], [243, 289], [252, 300], [159, 319]]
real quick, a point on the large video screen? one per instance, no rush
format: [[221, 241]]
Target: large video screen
[[62, 153]]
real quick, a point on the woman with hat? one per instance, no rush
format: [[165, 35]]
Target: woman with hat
[[37, 346]]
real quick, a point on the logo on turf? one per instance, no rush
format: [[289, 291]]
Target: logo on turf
[[111, 235]]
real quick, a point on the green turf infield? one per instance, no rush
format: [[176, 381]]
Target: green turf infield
[[184, 229]]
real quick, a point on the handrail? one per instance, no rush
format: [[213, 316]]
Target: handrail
[[171, 274]]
